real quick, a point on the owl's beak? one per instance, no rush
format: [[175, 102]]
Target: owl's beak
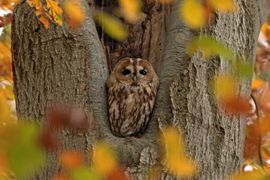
[[134, 78]]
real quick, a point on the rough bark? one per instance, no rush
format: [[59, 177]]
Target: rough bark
[[215, 141], [60, 65]]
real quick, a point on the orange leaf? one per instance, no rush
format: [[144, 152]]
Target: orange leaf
[[265, 29], [44, 20], [74, 12], [71, 159], [118, 174], [257, 84], [237, 106], [264, 101]]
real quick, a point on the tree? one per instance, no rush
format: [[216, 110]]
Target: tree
[[62, 65]]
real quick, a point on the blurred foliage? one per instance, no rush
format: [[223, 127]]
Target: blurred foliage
[[24, 145]]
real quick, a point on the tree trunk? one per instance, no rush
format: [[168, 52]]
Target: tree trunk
[[60, 65]]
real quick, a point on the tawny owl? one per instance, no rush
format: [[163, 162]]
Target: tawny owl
[[132, 89]]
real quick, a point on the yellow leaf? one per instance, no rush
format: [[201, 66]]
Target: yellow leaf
[[175, 158], [257, 84], [104, 159], [55, 11], [225, 87], [74, 12], [251, 175], [265, 29], [112, 26], [131, 10], [181, 167], [193, 13], [223, 5]]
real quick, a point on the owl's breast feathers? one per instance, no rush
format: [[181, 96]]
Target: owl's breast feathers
[[130, 108]]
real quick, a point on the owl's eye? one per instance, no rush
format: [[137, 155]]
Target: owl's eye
[[126, 72], [143, 72]]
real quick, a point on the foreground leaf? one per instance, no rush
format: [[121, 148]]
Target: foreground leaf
[[198, 17], [25, 156], [85, 173], [209, 46], [71, 159], [103, 153], [257, 84], [237, 106], [253, 175], [225, 87], [131, 10], [175, 158], [112, 26], [74, 12]]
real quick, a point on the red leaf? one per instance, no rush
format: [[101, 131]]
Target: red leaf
[[70, 117], [237, 106], [49, 141], [118, 174]]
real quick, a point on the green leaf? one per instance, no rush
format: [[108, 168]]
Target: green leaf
[[112, 26], [85, 173], [25, 155], [244, 69], [209, 46]]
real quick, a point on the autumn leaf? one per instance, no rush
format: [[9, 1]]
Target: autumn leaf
[[209, 46], [55, 11], [61, 176], [175, 158], [257, 84], [112, 26], [225, 87], [25, 156], [197, 18], [118, 174], [37, 4], [262, 126], [64, 116], [251, 175], [49, 140], [71, 159], [265, 29], [103, 153], [131, 10], [237, 105], [85, 173], [45, 21], [264, 100], [74, 13], [223, 6], [243, 68]]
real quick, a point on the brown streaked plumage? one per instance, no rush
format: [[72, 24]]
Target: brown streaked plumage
[[132, 89]]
